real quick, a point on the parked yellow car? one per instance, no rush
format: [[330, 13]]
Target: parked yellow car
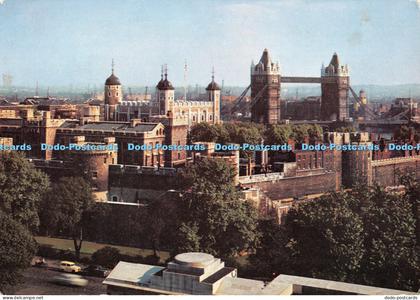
[[69, 267]]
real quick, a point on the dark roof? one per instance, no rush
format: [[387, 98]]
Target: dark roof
[[335, 62], [112, 80], [265, 58], [142, 127], [160, 84], [110, 126], [213, 86], [69, 124], [5, 102], [103, 126], [165, 84]]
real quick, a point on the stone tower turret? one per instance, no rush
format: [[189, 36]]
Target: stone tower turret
[[335, 82], [113, 96], [213, 95], [265, 90], [165, 94]]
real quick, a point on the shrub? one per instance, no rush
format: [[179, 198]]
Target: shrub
[[107, 257]]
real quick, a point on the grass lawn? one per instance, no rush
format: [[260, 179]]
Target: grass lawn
[[90, 247]]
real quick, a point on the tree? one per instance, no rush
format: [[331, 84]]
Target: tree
[[17, 247], [223, 224], [245, 133], [106, 257], [65, 208], [403, 133], [187, 238], [391, 259], [412, 191], [21, 189], [300, 133], [315, 133], [365, 236], [278, 134], [203, 132], [272, 255], [325, 238]]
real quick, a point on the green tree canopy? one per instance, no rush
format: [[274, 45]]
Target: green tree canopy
[[366, 236], [65, 208], [208, 215], [21, 189], [203, 132], [326, 238], [391, 259], [225, 225], [106, 257], [278, 134], [17, 248]]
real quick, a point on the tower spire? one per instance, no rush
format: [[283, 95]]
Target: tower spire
[[212, 74], [161, 72], [112, 66], [166, 71]]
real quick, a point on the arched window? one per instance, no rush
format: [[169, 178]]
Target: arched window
[[114, 198]]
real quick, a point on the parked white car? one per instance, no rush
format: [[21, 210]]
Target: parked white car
[[70, 267]]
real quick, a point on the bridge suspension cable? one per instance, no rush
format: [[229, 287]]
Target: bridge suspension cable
[[239, 100], [365, 106]]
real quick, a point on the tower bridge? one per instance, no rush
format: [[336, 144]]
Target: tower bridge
[[266, 83], [287, 79]]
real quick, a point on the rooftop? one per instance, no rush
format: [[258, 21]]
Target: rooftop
[[216, 279]]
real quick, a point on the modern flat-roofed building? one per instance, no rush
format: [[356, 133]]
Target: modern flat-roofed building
[[191, 273], [196, 273]]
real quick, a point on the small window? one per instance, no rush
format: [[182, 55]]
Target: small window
[[105, 160], [114, 199]]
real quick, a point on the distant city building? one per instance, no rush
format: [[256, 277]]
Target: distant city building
[[7, 81]]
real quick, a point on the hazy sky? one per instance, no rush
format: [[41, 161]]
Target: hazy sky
[[63, 42]]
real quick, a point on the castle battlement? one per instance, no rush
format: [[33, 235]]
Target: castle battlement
[[192, 103], [395, 160], [133, 169]]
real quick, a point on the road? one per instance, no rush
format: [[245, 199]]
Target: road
[[37, 281]]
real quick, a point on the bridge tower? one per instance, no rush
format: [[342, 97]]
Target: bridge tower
[[335, 82], [265, 90]]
